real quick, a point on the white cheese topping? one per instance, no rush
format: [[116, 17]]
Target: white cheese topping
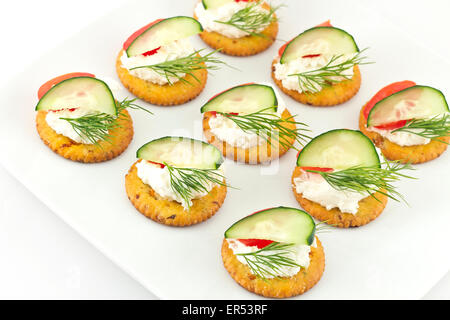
[[283, 72], [298, 253], [315, 188], [53, 119], [223, 13], [175, 50], [226, 130], [159, 180], [401, 138]]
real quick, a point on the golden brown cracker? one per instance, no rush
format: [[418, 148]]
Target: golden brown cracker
[[87, 153], [369, 208], [298, 284], [167, 212], [262, 153], [167, 95], [404, 154], [241, 47], [335, 94]]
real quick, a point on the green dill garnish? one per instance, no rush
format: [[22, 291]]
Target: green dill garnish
[[269, 260], [97, 126], [313, 81], [250, 19], [369, 179], [433, 128], [269, 125], [178, 68]]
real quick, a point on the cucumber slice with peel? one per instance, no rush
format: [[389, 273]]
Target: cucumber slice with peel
[[247, 98], [214, 4], [163, 33], [79, 92], [282, 224], [416, 102], [181, 152], [339, 149], [336, 40]]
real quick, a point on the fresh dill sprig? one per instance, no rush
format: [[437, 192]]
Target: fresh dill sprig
[[369, 179], [250, 19], [178, 68], [97, 126], [313, 81], [269, 260], [433, 128], [268, 125], [186, 181]]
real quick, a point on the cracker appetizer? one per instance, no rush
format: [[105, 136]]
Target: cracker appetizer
[[274, 252], [237, 27], [159, 64], [408, 122], [79, 118], [250, 123], [340, 180], [177, 181], [319, 67]]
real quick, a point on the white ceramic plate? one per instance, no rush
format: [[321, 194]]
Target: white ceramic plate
[[400, 255]]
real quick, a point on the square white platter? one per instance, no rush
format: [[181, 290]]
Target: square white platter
[[402, 254]]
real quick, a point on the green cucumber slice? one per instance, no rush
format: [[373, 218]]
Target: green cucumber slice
[[338, 40], [164, 32], [247, 98], [282, 224], [80, 92], [416, 102], [213, 4], [181, 152], [339, 149]]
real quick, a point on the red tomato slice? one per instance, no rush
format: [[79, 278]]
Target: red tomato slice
[[283, 47], [216, 95], [392, 125], [317, 169], [133, 37], [49, 84], [260, 243], [386, 92]]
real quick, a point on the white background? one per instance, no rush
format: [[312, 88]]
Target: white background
[[40, 256]]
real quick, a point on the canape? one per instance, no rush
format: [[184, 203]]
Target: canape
[[79, 118], [250, 123], [159, 64], [274, 253], [237, 27], [408, 122], [319, 67], [340, 180], [177, 181]]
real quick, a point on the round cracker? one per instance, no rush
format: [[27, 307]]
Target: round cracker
[[335, 94], [168, 212], [245, 46], [298, 284], [87, 153], [167, 95], [404, 154], [369, 208], [262, 153]]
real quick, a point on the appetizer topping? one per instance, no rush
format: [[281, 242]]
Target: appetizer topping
[[160, 33], [83, 108], [162, 53], [273, 243], [49, 84], [250, 114], [235, 19], [412, 116], [349, 171], [317, 58], [180, 169]]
